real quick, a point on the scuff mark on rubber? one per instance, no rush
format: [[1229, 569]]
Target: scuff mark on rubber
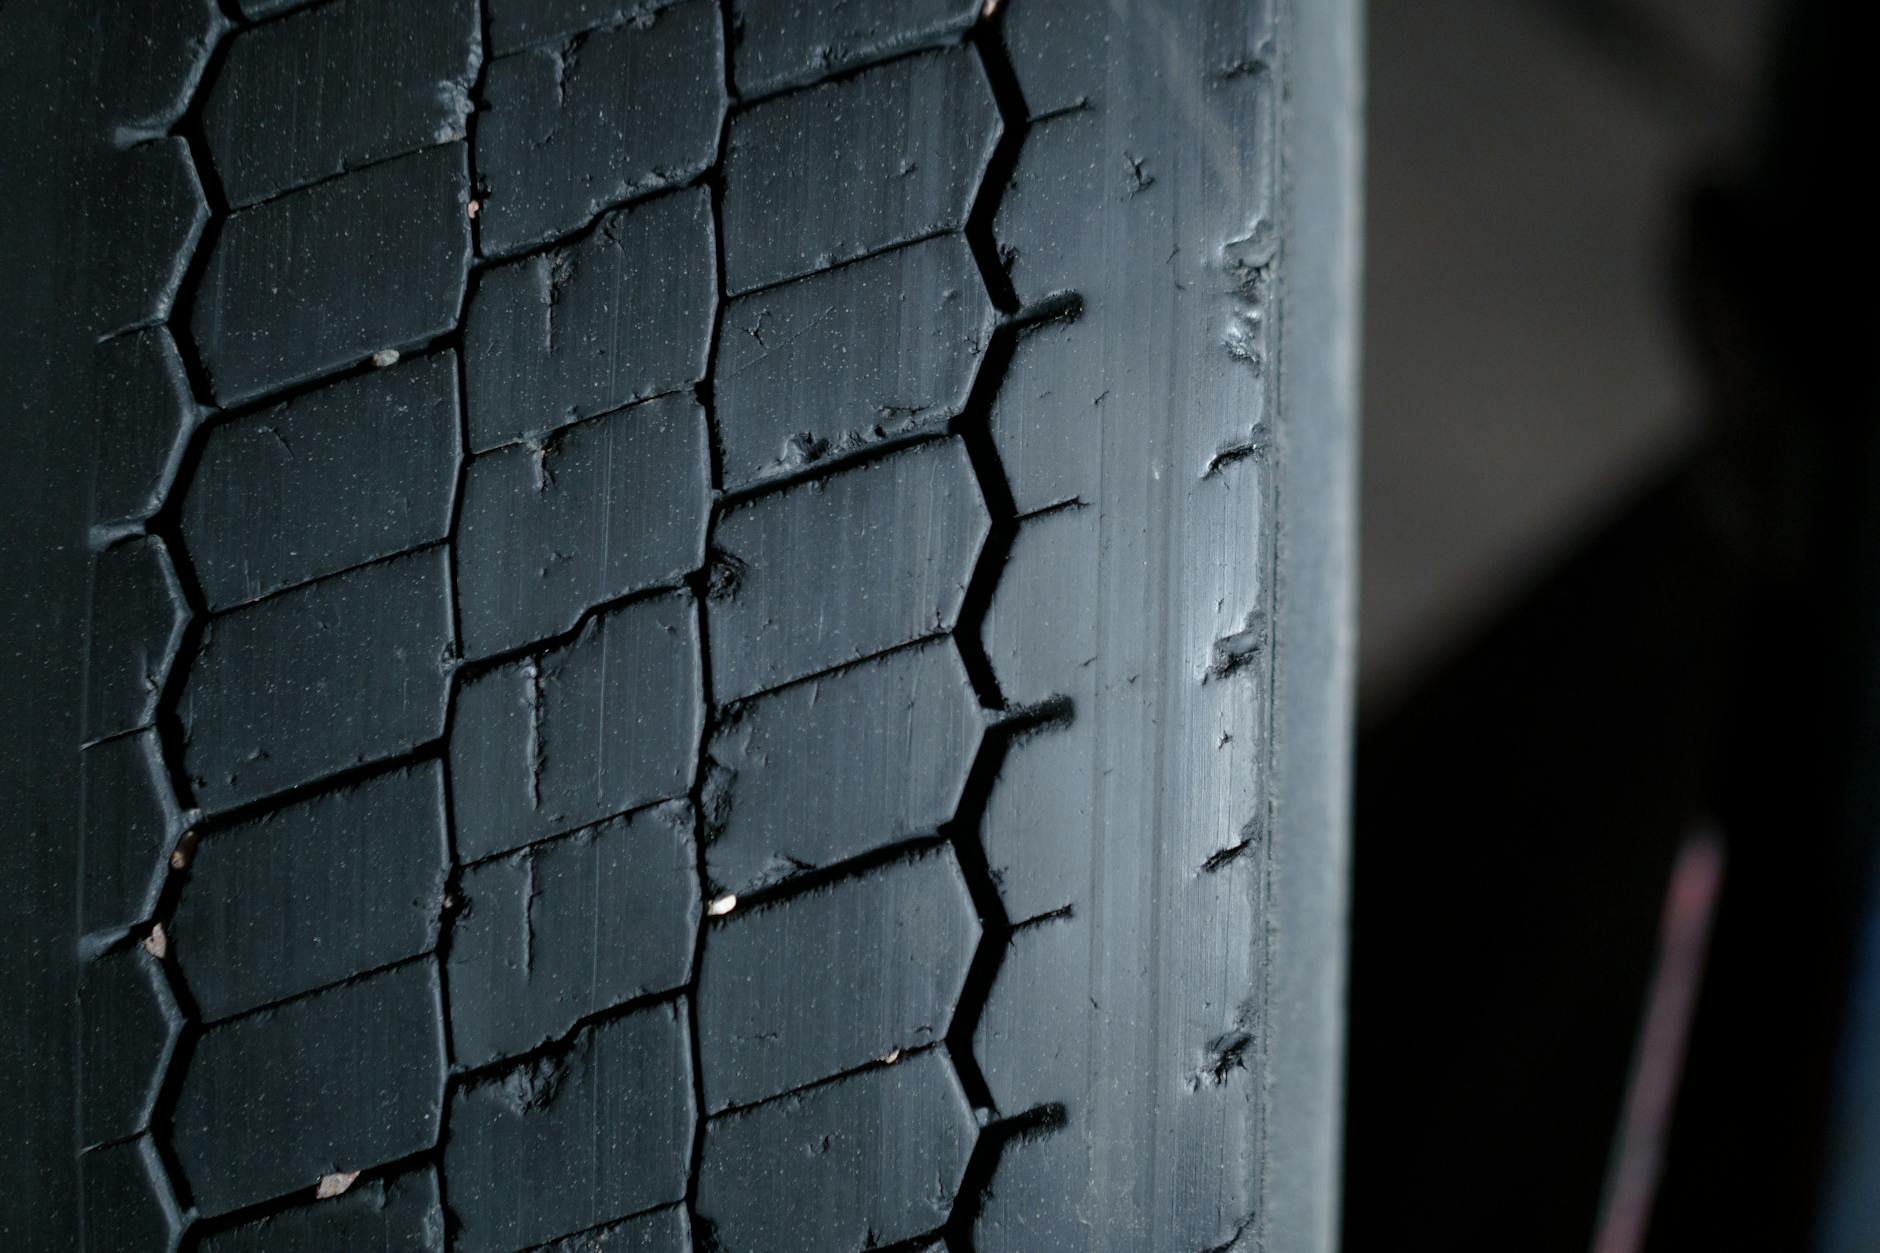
[[1236, 652]]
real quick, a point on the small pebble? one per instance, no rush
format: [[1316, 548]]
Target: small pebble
[[334, 1184]]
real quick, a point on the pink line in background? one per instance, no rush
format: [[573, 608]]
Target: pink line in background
[[1683, 938]]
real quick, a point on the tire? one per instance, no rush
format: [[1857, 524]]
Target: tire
[[722, 627]]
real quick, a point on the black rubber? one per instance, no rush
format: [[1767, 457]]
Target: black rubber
[[714, 624]]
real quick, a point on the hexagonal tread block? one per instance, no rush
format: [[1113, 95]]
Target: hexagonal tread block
[[338, 87], [341, 1080], [1047, 420], [575, 128], [1037, 1199], [1051, 220], [325, 277], [137, 618], [831, 571], [332, 479], [823, 176], [1040, 822], [147, 215], [1060, 55], [146, 413], [622, 314], [131, 823], [1040, 631], [821, 771], [610, 506], [1034, 1199], [873, 1159], [603, 724], [831, 979], [844, 359], [128, 1024], [146, 73], [564, 1143], [1036, 1032], [313, 893], [349, 670], [569, 927]]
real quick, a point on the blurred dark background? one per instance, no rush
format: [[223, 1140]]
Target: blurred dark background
[[1621, 568]]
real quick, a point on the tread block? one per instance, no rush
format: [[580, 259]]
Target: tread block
[[1036, 1198], [837, 569], [331, 479], [832, 979], [815, 773], [1040, 824], [126, 1199], [881, 348], [1060, 54], [869, 1160], [150, 212], [618, 113], [339, 673], [137, 620], [132, 821], [567, 928], [593, 728], [128, 1028], [1033, 1040], [661, 1231], [322, 278], [145, 415], [518, 23], [402, 1215], [1047, 421], [337, 87], [345, 1079], [315, 892], [622, 314], [148, 69], [614, 505], [568, 1142], [1040, 631], [780, 42], [823, 176], [1051, 221]]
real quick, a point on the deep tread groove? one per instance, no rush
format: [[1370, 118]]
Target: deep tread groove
[[700, 585]]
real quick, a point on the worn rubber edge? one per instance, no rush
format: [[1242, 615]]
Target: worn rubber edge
[[1317, 430]]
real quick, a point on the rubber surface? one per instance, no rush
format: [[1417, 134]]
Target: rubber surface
[[691, 629]]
